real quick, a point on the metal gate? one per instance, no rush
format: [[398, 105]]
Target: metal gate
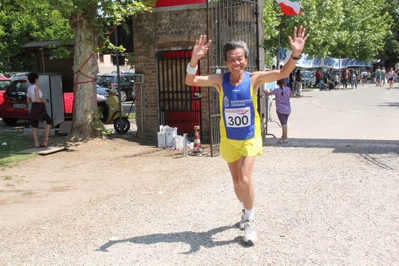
[[179, 104], [230, 20]]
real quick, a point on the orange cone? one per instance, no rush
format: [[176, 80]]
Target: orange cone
[[197, 141]]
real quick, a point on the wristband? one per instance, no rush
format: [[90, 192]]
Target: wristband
[[296, 57], [191, 70]]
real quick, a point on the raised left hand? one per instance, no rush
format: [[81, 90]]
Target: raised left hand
[[297, 42]]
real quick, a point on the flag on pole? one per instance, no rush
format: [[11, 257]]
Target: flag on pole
[[290, 7]]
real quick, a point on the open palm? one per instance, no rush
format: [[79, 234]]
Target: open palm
[[297, 42], [201, 47]]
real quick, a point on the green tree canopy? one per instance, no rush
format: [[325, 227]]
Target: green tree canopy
[[338, 28], [23, 22], [88, 22]]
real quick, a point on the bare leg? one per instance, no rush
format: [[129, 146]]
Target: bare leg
[[46, 134], [241, 172], [35, 133], [47, 131]]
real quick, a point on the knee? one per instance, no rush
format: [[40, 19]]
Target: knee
[[245, 181], [48, 120]]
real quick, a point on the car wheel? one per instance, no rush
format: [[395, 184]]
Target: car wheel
[[10, 121], [122, 126], [123, 96]]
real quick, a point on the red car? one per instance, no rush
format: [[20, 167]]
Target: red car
[[14, 105], [4, 82]]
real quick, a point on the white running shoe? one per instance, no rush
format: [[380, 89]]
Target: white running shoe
[[249, 232]]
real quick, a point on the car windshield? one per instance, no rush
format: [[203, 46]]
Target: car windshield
[[19, 76], [17, 90], [103, 80], [4, 84], [101, 90]]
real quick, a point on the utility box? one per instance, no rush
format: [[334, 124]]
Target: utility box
[[51, 86]]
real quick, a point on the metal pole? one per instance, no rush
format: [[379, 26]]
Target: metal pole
[[185, 145], [278, 49], [142, 110], [118, 76]]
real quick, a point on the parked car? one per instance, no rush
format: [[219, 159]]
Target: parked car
[[102, 99], [4, 83], [308, 79], [15, 106], [126, 84], [102, 94], [23, 75]]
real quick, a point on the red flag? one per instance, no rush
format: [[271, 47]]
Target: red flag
[[290, 7]]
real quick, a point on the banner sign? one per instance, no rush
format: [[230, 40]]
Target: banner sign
[[327, 62]]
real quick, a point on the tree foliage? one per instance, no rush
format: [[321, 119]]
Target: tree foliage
[[22, 22], [89, 21], [390, 54], [338, 28]]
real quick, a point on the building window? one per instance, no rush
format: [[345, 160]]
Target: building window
[[121, 60], [101, 58]]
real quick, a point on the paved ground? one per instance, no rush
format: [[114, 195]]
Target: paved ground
[[365, 114], [329, 197]]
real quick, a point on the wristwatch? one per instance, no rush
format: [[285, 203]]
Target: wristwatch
[[296, 57]]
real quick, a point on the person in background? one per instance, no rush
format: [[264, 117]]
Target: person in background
[[368, 76], [292, 81], [298, 83], [378, 77], [286, 79], [353, 80], [383, 77], [336, 81], [364, 77], [282, 96], [358, 77], [391, 76], [323, 86], [318, 76], [38, 111], [345, 78], [240, 127]]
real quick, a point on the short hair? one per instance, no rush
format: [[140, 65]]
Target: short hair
[[230, 45], [32, 77]]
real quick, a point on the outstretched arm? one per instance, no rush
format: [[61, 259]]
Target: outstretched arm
[[297, 43]]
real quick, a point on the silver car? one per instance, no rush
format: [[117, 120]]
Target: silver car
[[308, 79]]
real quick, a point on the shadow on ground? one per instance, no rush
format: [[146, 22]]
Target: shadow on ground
[[194, 239]]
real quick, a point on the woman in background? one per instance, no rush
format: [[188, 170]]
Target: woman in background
[[38, 111], [283, 107], [298, 83]]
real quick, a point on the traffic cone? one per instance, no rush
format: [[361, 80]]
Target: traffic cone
[[197, 141]]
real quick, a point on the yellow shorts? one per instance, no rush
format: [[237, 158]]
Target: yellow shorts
[[232, 150]]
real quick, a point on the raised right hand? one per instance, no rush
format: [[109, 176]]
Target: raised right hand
[[201, 48]]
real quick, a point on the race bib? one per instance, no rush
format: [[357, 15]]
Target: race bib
[[237, 117]]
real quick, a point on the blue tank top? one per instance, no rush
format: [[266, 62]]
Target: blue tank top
[[238, 108]]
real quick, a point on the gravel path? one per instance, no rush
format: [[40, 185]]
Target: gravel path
[[315, 205]]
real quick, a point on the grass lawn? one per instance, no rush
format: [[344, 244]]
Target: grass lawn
[[11, 142]]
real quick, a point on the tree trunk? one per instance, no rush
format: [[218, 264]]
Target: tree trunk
[[85, 123]]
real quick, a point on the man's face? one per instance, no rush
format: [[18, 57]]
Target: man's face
[[236, 61]]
